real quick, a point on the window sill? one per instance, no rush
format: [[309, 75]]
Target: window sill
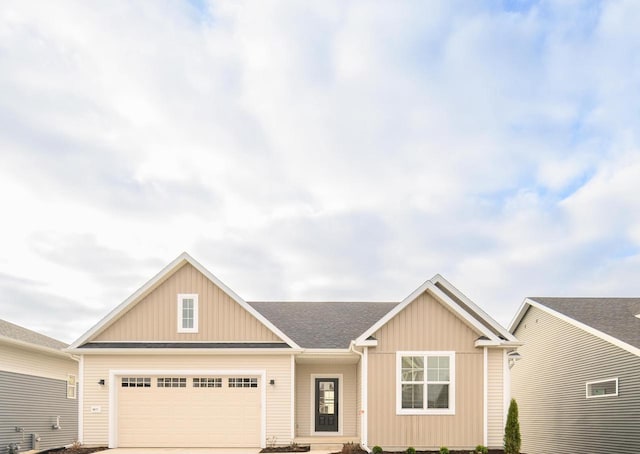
[[433, 412]]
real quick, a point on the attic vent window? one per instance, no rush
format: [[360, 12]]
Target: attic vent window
[[187, 313], [602, 388]]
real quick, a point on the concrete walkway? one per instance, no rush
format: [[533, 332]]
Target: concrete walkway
[[196, 451]]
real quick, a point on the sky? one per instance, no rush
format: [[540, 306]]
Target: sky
[[317, 150]]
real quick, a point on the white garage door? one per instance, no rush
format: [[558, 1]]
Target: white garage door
[[186, 411]]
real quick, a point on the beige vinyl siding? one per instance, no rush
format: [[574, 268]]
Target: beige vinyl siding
[[277, 367], [425, 325], [495, 398], [549, 386], [154, 318], [304, 390], [26, 361]]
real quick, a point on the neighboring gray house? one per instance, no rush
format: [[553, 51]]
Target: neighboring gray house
[[38, 391], [577, 383]]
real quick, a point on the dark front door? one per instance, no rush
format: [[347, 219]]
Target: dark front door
[[326, 404]]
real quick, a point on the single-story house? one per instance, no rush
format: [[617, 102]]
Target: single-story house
[[38, 391], [578, 380], [186, 362]]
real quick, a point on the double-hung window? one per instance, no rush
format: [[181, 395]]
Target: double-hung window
[[187, 313], [425, 383]]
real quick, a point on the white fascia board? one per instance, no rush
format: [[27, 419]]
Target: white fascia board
[[121, 308], [500, 344], [519, 315], [184, 351], [158, 278], [367, 343], [35, 347], [589, 329], [477, 309], [440, 295]]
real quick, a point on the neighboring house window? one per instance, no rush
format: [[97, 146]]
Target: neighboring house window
[[188, 313], [172, 382], [136, 382], [602, 388], [425, 383], [71, 386], [207, 382], [242, 382]]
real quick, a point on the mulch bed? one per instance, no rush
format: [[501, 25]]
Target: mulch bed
[[74, 450], [296, 448]]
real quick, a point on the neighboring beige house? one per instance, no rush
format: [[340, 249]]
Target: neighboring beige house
[[38, 392], [186, 362]]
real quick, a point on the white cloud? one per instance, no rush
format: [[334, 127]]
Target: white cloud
[[342, 150]]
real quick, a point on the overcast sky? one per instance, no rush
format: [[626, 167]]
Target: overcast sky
[[317, 150]]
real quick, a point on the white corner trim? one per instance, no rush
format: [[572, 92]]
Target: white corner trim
[[364, 397], [312, 421], [113, 398], [506, 386], [452, 384], [293, 397], [589, 329], [81, 400], [180, 305], [485, 396]]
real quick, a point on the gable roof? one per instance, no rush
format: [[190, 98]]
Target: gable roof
[[323, 324], [459, 304], [18, 335], [158, 279], [612, 319]]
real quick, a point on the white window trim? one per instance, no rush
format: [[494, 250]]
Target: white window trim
[[181, 298], [72, 387], [586, 388], [452, 384]]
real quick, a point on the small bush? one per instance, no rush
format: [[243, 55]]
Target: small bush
[[376, 450], [482, 449], [444, 450], [512, 439], [411, 450]]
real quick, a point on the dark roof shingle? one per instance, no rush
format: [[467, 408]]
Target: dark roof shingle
[[613, 316], [323, 324]]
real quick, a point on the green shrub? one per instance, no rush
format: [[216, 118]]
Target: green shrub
[[376, 450], [482, 449], [444, 450], [512, 439], [411, 450]]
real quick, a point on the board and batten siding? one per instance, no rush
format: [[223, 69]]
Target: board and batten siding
[[35, 405], [305, 390], [425, 325], [97, 367], [549, 382], [495, 398], [155, 316]]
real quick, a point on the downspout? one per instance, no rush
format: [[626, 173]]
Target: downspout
[[363, 394]]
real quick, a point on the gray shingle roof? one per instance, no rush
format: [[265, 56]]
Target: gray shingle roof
[[323, 324], [613, 316], [19, 333]]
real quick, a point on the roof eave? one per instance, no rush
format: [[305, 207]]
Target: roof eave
[[36, 347]]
